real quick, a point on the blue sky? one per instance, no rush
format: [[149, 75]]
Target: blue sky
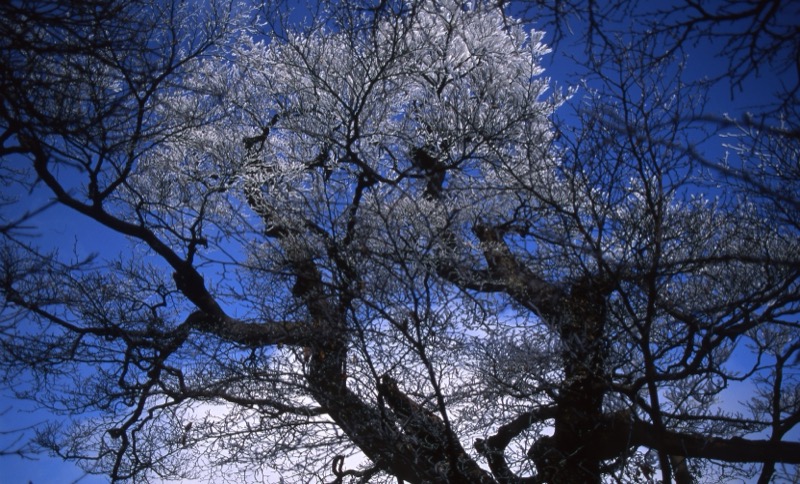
[[68, 231]]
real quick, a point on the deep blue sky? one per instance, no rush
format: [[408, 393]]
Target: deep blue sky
[[65, 230]]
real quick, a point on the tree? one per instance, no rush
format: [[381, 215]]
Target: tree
[[624, 40], [365, 248], [753, 42]]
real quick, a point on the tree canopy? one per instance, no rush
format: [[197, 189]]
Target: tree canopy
[[372, 242]]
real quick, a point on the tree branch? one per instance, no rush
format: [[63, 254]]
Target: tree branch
[[526, 287], [619, 433], [493, 448]]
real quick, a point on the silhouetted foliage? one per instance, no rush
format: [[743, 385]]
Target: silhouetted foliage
[[367, 242]]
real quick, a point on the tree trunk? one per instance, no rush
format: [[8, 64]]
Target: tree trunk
[[569, 456]]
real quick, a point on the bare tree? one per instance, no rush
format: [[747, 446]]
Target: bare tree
[[367, 246], [751, 43], [620, 44]]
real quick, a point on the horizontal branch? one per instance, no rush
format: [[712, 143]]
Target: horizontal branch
[[735, 449], [619, 433], [251, 334]]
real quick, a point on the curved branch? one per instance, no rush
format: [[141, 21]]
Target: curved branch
[[187, 278], [493, 448]]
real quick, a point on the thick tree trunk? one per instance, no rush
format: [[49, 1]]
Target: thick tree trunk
[[570, 455]]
